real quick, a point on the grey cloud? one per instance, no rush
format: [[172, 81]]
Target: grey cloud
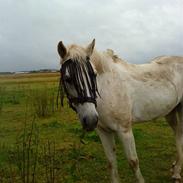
[[136, 30]]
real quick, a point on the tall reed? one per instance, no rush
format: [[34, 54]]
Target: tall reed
[[43, 101], [25, 154]]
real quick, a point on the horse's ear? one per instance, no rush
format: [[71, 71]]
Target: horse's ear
[[90, 48], [61, 49]]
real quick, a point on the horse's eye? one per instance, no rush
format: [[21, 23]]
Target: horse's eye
[[68, 80]]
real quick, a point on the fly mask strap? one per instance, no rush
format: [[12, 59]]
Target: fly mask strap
[[83, 79]]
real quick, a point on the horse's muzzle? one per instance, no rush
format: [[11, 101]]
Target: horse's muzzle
[[89, 123]]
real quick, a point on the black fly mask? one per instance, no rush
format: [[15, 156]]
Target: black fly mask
[[82, 77]]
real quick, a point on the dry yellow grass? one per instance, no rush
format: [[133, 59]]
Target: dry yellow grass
[[29, 78]]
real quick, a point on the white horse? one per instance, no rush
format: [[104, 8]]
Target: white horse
[[126, 94]]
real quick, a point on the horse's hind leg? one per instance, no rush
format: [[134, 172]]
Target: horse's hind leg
[[175, 119]]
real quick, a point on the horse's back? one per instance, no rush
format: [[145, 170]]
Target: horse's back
[[168, 60]]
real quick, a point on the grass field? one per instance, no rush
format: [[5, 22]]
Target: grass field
[[42, 143]]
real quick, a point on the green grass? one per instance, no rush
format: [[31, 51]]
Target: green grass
[[60, 151]]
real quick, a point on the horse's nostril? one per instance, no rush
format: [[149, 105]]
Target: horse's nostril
[[90, 123]]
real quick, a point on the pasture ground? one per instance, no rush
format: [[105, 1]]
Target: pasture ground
[[44, 144]]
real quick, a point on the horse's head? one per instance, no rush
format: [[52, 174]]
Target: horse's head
[[79, 82]]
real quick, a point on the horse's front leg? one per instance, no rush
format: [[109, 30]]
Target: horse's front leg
[[127, 138], [108, 143]]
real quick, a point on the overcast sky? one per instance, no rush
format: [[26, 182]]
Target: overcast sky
[[137, 30]]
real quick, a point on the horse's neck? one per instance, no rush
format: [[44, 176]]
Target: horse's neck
[[106, 61]]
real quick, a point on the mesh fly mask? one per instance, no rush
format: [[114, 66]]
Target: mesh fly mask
[[81, 75]]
